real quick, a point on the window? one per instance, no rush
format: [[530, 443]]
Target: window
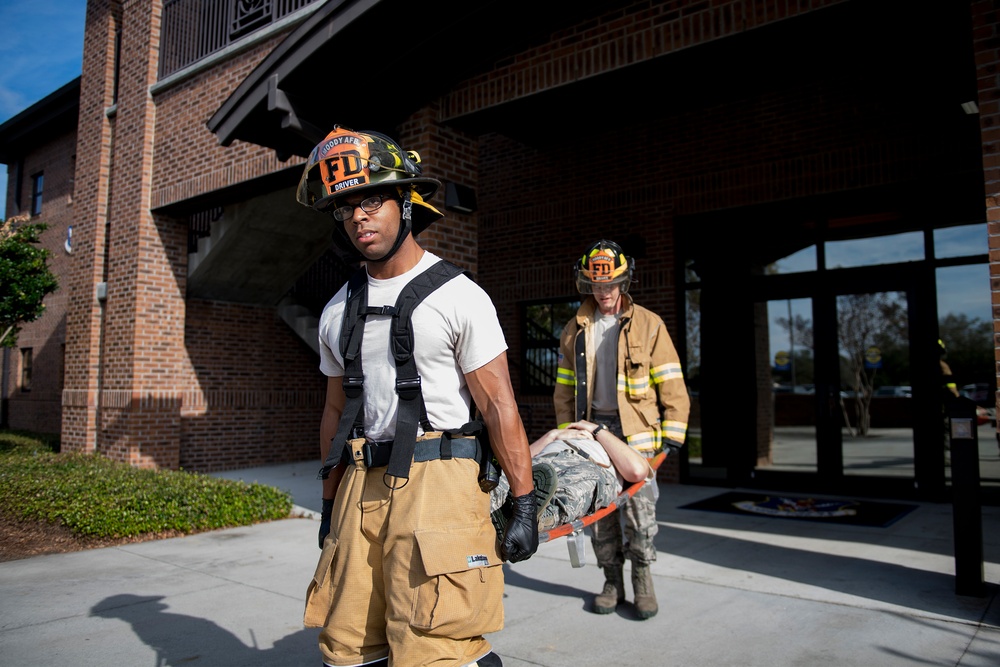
[[36, 193], [26, 356], [543, 324], [890, 249]]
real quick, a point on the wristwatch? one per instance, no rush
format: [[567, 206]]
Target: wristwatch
[[600, 427]]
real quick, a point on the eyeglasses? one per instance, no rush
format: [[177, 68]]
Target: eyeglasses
[[369, 205]]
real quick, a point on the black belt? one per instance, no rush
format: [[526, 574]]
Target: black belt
[[376, 454]]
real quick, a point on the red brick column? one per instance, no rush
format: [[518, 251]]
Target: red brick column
[[986, 45], [127, 367], [93, 164]]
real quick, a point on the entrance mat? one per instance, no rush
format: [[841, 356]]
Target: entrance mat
[[827, 510]]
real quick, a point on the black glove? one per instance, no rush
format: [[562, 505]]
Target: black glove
[[324, 521], [521, 538]]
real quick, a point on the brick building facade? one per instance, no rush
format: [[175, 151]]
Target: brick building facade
[[710, 139]]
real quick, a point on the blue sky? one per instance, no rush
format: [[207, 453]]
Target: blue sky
[[41, 49]]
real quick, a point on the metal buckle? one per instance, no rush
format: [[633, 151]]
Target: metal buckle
[[353, 386], [408, 388]]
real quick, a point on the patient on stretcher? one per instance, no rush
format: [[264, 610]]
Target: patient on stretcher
[[576, 473]]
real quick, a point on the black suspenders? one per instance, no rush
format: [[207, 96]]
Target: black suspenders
[[411, 402]]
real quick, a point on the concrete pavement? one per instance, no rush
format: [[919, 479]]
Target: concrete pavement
[[733, 590]]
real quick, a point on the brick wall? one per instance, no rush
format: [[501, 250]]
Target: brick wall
[[40, 408], [194, 384], [986, 42], [258, 394], [84, 312], [187, 158]]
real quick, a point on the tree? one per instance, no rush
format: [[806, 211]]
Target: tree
[[865, 321], [25, 279], [970, 348]]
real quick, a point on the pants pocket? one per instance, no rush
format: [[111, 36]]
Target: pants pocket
[[320, 593], [462, 596]]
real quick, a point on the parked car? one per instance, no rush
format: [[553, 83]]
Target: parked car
[[893, 391], [978, 392], [985, 415]]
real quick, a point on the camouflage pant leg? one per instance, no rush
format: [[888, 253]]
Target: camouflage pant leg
[[640, 531], [640, 528], [606, 538]]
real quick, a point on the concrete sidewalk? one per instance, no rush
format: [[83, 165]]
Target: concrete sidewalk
[[733, 590]]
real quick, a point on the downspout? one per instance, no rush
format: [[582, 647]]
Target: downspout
[[101, 292], [102, 288]]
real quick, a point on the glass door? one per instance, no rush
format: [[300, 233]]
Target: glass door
[[843, 400], [790, 443], [875, 393]]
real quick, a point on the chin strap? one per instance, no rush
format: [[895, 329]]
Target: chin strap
[[405, 227]]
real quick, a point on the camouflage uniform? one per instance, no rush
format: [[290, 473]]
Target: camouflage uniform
[[583, 488]]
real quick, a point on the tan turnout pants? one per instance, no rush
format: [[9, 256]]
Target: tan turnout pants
[[412, 573]]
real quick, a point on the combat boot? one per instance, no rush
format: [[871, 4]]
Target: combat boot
[[614, 590], [642, 586]]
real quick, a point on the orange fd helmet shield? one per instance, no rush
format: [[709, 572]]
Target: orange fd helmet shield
[[601, 267], [342, 163], [346, 162], [604, 263]]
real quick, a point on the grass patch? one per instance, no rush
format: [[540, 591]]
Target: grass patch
[[99, 498]]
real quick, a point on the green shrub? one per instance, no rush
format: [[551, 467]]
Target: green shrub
[[96, 497], [27, 441]]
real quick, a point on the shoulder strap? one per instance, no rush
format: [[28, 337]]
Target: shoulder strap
[[411, 400], [355, 311]]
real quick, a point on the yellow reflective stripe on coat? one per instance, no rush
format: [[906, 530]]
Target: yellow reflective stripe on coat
[[674, 430], [565, 376], [645, 441], [634, 386], [670, 371]]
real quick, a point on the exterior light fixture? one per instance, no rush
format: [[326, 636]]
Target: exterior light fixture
[[970, 107]]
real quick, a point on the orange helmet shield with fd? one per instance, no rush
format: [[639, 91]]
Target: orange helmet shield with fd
[[604, 263], [342, 163], [346, 162]]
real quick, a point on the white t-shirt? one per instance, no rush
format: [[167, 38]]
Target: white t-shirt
[[605, 341], [455, 331]]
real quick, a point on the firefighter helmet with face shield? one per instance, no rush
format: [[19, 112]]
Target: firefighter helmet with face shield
[[603, 264], [347, 163]]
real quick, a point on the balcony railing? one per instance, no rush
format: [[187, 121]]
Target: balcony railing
[[195, 29]]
